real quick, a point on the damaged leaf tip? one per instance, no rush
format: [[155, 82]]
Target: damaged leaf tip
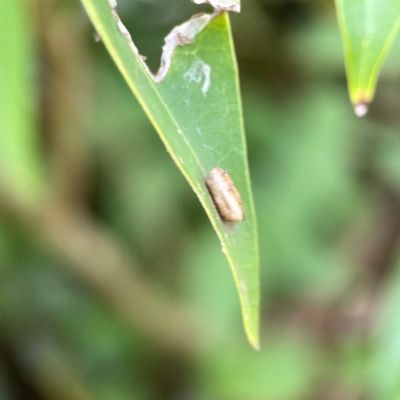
[[179, 36], [112, 3], [222, 5]]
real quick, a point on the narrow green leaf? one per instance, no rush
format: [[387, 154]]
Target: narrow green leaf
[[196, 110], [20, 163], [368, 28]]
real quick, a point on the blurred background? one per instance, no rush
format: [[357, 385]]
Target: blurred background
[[113, 285]]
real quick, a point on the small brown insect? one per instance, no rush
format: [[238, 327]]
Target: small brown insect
[[225, 195]]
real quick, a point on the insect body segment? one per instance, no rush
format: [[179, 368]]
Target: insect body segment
[[225, 195]]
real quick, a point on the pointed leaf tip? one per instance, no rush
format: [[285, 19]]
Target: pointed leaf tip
[[368, 30], [253, 338], [256, 346], [361, 109]]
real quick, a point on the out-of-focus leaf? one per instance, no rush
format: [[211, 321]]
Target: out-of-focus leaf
[[321, 34], [210, 292], [368, 30], [386, 360], [283, 370], [197, 112], [306, 188], [387, 157], [19, 158]]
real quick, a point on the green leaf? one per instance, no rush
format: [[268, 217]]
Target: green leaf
[[20, 162], [196, 110], [368, 30]]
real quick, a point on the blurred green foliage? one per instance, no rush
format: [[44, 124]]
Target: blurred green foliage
[[326, 186], [18, 142]]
